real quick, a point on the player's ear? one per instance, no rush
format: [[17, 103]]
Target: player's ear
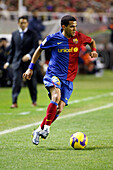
[[63, 26]]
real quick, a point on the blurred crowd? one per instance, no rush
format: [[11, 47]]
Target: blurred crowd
[[60, 5], [70, 6], [5, 75], [86, 64]]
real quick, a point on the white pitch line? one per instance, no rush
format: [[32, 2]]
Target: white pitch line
[[24, 113], [71, 102], [62, 117], [87, 111], [40, 109], [19, 128], [91, 98]]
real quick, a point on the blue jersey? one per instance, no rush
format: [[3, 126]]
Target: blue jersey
[[64, 54]]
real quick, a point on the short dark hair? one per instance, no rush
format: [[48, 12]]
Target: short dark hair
[[23, 17], [65, 20]]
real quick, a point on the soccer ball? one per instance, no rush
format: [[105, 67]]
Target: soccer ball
[[78, 140]]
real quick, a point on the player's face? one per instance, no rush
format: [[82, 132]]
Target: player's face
[[70, 29], [23, 24]]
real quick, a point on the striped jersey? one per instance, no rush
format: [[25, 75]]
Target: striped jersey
[[64, 54]]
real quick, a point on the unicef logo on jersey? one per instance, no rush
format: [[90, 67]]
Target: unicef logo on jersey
[[68, 50]]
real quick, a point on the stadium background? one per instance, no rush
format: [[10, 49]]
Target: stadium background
[[90, 108], [93, 19]]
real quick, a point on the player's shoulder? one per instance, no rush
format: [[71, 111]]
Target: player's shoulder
[[51, 39], [54, 35], [80, 34]]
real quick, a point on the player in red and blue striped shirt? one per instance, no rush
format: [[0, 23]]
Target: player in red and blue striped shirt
[[62, 69]]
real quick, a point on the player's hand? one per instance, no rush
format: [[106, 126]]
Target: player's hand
[[94, 54], [27, 74]]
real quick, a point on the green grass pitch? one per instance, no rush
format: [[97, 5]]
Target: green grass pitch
[[17, 151]]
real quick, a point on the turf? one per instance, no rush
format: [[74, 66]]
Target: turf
[[17, 150]]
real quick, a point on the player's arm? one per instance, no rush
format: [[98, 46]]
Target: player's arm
[[36, 55], [92, 45], [29, 71]]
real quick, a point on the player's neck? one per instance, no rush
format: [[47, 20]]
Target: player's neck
[[65, 35]]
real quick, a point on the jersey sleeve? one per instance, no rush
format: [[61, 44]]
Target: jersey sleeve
[[86, 39], [48, 42]]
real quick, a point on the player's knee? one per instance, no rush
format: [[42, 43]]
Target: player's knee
[[61, 106], [59, 110]]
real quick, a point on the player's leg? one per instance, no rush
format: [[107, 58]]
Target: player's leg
[[53, 92], [66, 91], [44, 129], [53, 85], [52, 107], [51, 111], [59, 109], [45, 133]]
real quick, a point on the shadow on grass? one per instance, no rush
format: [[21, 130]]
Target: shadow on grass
[[53, 148], [70, 148], [99, 147], [56, 149]]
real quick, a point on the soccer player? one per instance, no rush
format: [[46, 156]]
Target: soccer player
[[62, 69]]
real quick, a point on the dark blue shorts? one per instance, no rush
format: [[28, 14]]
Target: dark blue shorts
[[65, 86]]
